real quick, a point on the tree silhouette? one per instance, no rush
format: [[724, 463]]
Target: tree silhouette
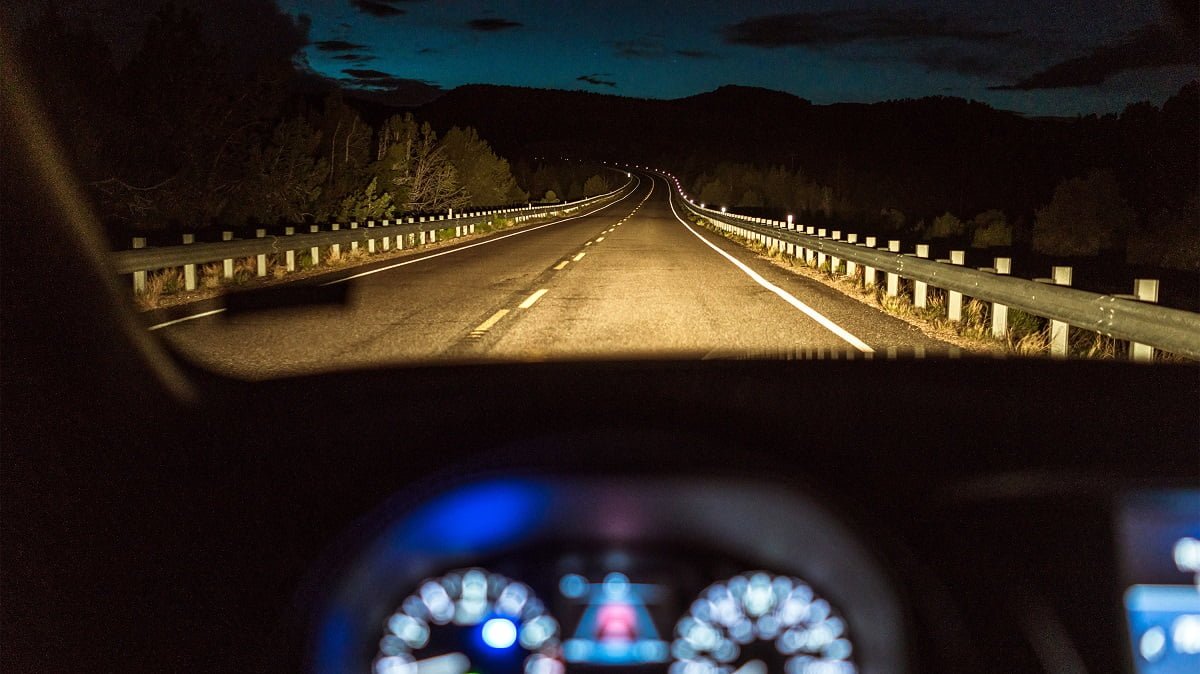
[[1086, 215]]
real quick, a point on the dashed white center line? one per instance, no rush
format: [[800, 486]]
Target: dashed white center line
[[560, 266], [599, 239], [532, 298], [487, 325], [588, 243], [579, 257]]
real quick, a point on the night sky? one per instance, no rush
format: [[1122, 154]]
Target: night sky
[[1031, 56]]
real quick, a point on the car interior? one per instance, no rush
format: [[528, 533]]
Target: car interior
[[599, 515]]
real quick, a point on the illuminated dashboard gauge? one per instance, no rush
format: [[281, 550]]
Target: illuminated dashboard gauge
[[757, 623], [470, 621]]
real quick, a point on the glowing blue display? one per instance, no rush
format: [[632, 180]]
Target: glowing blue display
[[1160, 532], [616, 627], [499, 633], [476, 518]]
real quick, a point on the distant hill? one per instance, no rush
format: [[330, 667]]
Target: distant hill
[[920, 155]]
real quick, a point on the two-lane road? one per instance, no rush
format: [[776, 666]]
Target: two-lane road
[[629, 279]]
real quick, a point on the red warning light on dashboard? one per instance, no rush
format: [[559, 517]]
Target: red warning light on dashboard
[[616, 622]]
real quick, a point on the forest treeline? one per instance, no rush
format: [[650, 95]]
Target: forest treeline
[[182, 137], [1123, 185]]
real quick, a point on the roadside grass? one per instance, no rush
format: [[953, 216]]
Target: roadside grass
[[1027, 335]]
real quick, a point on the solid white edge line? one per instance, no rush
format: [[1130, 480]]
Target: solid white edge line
[[532, 298], [486, 241], [783, 294], [186, 318]]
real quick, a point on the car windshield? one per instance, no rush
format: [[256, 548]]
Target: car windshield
[[297, 186]]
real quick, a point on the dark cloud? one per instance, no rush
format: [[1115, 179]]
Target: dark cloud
[[1148, 47], [367, 74], [426, 50], [595, 78], [338, 45], [355, 57], [376, 9], [696, 53], [973, 62], [640, 48], [248, 32], [823, 29], [491, 25]]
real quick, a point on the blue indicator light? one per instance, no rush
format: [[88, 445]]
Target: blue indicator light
[[477, 518], [499, 633]]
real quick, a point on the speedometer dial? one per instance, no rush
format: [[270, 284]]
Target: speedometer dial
[[757, 623], [470, 621]]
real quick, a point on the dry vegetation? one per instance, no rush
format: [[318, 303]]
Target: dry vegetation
[[1027, 335]]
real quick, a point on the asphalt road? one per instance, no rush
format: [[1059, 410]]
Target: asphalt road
[[630, 279]]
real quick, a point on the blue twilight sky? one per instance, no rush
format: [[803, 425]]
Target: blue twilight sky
[[1059, 57], [1076, 56]]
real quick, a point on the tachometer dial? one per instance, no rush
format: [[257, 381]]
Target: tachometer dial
[[470, 621], [757, 623]]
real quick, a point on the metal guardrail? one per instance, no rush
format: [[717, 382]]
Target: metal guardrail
[[1119, 317], [141, 259]]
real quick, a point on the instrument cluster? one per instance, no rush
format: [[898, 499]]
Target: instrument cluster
[[548, 575]]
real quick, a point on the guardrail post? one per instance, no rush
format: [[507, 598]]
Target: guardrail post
[[1060, 332], [227, 264], [1000, 311], [893, 280], [139, 277], [1145, 290], [262, 259], [810, 255], [433, 235], [868, 271], [189, 270], [335, 249], [821, 254], [851, 267], [954, 298], [422, 241], [290, 255], [386, 241], [835, 262], [370, 239], [921, 288], [353, 243], [315, 251]]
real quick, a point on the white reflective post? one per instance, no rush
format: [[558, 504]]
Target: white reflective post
[[290, 255], [262, 258], [1000, 311], [920, 288], [1060, 332], [1145, 290], [189, 270], [139, 277], [868, 271], [227, 264], [893, 280], [954, 298]]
